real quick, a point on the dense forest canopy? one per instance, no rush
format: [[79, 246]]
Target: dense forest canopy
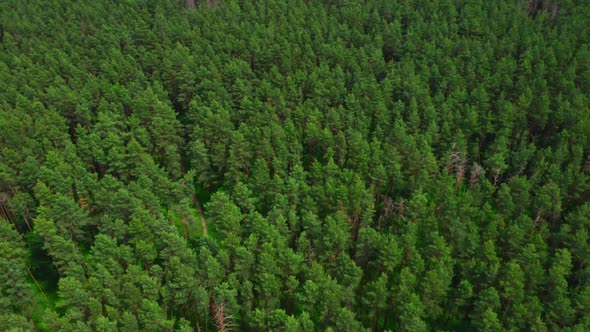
[[274, 165]]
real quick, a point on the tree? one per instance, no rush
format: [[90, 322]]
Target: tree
[[15, 291], [559, 309], [224, 215], [64, 252]]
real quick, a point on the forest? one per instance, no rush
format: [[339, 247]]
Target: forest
[[295, 165]]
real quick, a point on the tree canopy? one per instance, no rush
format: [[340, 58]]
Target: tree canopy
[[299, 165]]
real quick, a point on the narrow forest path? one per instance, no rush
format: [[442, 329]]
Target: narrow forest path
[[201, 214], [197, 204]]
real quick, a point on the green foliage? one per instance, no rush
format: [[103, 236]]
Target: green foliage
[[15, 294], [294, 165]]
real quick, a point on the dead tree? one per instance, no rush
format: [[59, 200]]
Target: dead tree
[[223, 320], [191, 4]]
